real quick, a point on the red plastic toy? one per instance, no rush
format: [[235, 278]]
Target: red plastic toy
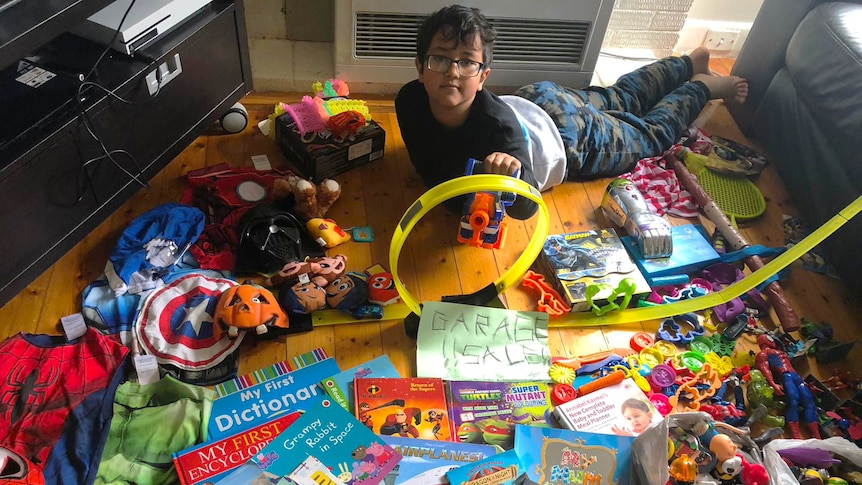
[[550, 301]]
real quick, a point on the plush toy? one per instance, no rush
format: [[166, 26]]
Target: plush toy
[[381, 286], [291, 273], [328, 268], [310, 201], [326, 232], [246, 307], [346, 292], [303, 297]]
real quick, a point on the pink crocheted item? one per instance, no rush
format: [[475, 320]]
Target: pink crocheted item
[[306, 115]]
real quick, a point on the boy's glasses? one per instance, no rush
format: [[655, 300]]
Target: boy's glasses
[[465, 67]]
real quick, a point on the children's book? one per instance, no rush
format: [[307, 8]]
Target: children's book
[[412, 407], [561, 456], [692, 252], [340, 386], [255, 405], [329, 433], [425, 462], [310, 472], [575, 261], [622, 409], [486, 412], [501, 469], [270, 372], [213, 460]]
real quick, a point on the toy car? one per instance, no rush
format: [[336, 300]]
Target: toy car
[[363, 312]]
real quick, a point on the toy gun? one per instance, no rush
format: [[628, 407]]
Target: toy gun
[[482, 218]]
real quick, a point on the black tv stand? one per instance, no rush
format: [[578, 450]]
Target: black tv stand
[[56, 185]]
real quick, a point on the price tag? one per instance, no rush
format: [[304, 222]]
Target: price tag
[[147, 369], [73, 326], [261, 162]]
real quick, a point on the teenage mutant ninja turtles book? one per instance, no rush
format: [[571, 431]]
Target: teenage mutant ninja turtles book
[[486, 412], [413, 407]]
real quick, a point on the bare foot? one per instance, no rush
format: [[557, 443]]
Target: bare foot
[[700, 61], [725, 87]]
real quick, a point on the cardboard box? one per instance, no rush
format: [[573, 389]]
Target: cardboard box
[[318, 158], [574, 261]]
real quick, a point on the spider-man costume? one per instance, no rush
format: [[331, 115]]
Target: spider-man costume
[[57, 394]]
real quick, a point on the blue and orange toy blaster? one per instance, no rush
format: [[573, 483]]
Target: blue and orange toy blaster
[[482, 222]]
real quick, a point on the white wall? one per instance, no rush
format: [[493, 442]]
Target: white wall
[[729, 15]]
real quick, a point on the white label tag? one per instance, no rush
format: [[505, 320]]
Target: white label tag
[[73, 326], [358, 149], [147, 369], [261, 162], [304, 279]]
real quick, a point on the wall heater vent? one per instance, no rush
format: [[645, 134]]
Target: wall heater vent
[[556, 40]]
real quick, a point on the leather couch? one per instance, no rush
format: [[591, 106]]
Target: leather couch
[[803, 61]]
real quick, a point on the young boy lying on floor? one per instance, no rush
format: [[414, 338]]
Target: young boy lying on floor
[[550, 132]]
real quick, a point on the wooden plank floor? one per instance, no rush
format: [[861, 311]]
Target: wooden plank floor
[[432, 264]]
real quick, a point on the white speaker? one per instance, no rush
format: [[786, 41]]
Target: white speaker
[[235, 120]]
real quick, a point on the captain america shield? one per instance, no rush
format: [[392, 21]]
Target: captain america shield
[[176, 323]]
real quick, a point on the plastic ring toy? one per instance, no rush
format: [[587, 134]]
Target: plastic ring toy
[[563, 393], [651, 357], [692, 361], [667, 349], [663, 376], [461, 186], [662, 405], [641, 340]]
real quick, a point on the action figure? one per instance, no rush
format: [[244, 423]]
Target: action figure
[[772, 360]]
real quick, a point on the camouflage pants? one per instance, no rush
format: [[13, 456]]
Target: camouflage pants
[[607, 130]]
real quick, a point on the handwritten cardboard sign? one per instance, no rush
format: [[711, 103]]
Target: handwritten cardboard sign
[[465, 342]]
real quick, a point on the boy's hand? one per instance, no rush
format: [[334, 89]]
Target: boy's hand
[[502, 164]]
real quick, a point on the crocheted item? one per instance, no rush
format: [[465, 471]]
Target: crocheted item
[[335, 106], [306, 115]]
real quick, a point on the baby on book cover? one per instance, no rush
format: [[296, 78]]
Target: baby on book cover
[[622, 409]]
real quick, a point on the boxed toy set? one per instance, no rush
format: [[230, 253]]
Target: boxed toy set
[[319, 158], [576, 261]]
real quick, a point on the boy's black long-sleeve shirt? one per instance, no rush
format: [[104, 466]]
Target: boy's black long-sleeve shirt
[[440, 153]]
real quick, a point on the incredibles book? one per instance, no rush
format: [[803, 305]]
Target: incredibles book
[[340, 386], [486, 412], [425, 462], [413, 407], [255, 405], [330, 434], [213, 460], [562, 457]]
